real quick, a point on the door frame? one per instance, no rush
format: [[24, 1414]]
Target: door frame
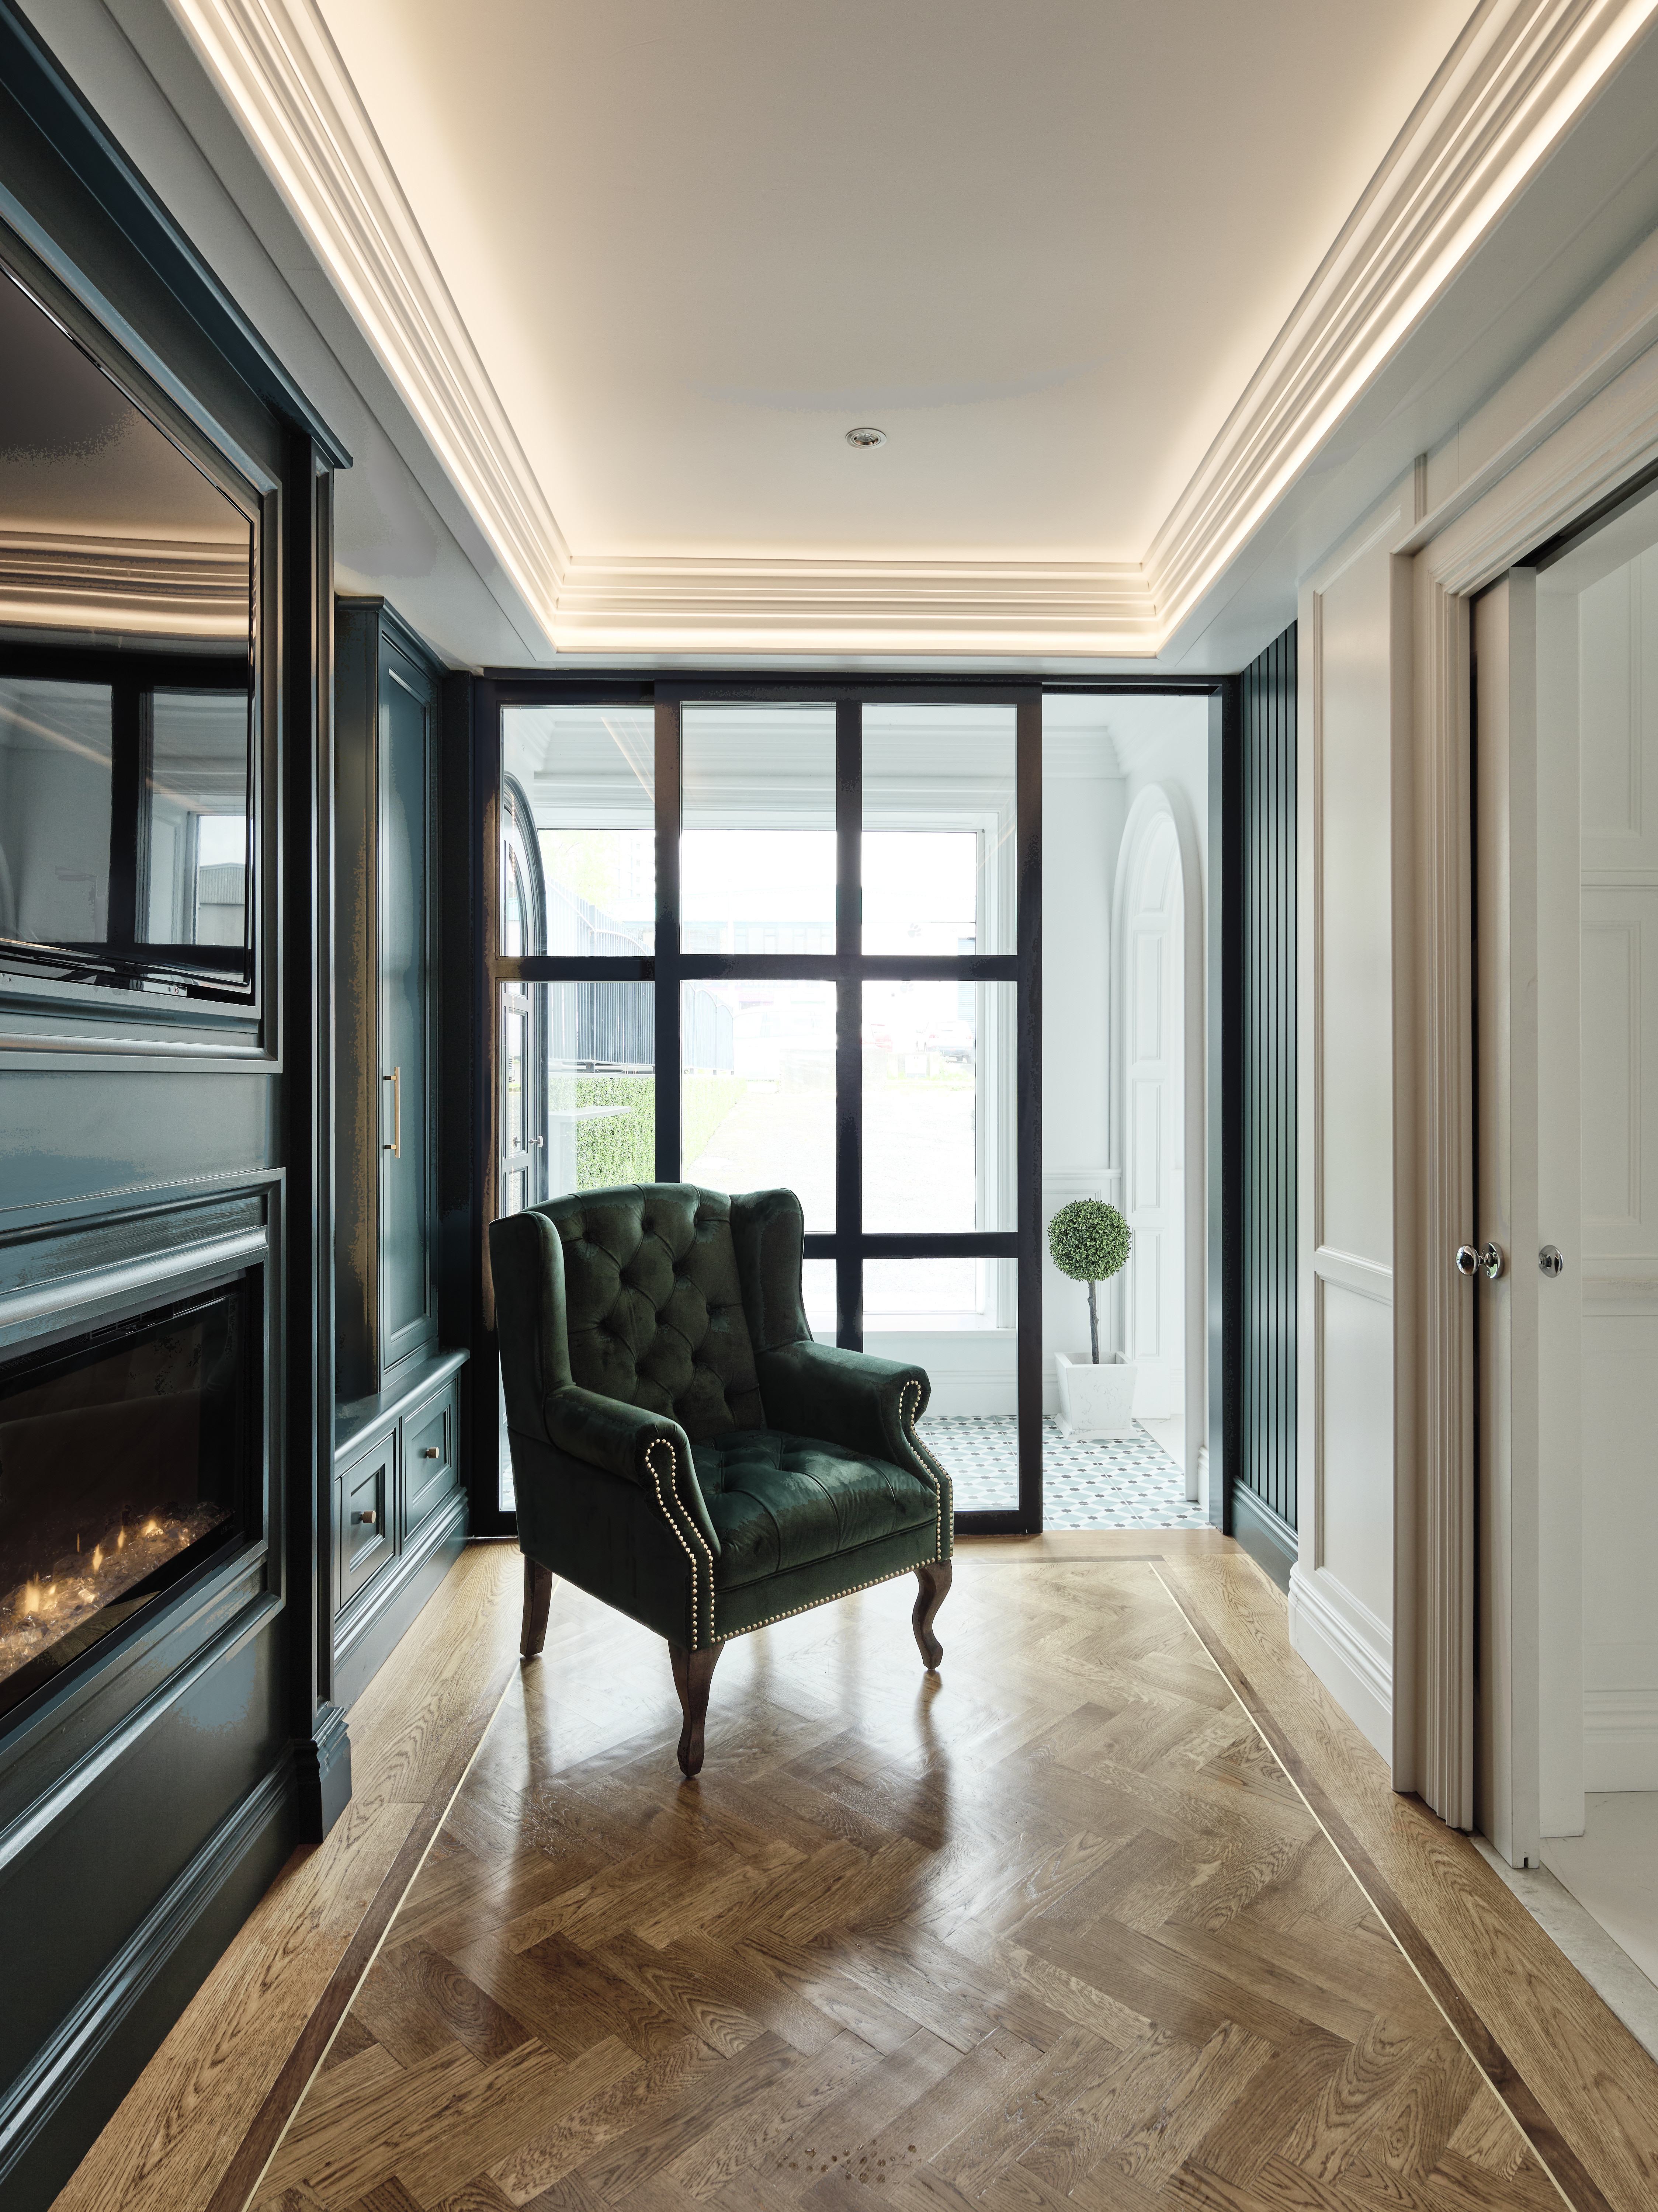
[[1593, 450], [1219, 1232], [1157, 803]]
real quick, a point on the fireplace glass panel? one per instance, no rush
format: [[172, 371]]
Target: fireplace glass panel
[[123, 1466]]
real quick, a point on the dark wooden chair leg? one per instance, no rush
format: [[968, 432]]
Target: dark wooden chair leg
[[693, 1673], [934, 1580], [538, 1601]]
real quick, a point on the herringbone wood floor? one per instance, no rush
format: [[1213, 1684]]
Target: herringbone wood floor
[[1052, 1930]]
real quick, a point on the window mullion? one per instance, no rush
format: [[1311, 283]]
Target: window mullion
[[849, 1024], [666, 949]]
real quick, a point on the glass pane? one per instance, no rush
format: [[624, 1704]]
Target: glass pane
[[938, 829], [116, 543], [939, 1107], [759, 1104], [578, 825], [927, 1293], [601, 1084], [196, 831], [757, 843], [818, 1290], [54, 811]]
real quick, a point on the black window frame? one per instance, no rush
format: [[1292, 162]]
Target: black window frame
[[666, 968]]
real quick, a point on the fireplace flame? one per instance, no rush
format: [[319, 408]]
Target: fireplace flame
[[44, 1609]]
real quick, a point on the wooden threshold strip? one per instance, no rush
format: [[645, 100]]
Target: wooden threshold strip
[[259, 2146], [1558, 2160]]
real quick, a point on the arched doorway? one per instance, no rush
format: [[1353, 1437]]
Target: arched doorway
[[1158, 1101]]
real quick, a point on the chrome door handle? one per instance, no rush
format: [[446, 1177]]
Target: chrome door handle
[[395, 1148], [1491, 1261], [1467, 1259]]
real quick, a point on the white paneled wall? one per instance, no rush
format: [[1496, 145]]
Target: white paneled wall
[[1618, 723], [1341, 1589]]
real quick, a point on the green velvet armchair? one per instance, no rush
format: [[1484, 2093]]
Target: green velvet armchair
[[682, 1447]]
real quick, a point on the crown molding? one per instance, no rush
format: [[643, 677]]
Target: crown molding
[[1518, 78], [755, 605], [278, 70], [1520, 75]]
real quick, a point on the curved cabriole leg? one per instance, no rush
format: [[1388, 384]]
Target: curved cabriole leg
[[934, 1580], [693, 1673], [538, 1600]]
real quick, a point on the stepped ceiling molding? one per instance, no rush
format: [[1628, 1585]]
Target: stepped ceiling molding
[[1519, 76]]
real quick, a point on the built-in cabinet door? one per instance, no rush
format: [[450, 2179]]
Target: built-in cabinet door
[[407, 1318]]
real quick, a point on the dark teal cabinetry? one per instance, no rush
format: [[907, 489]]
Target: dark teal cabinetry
[[400, 1516]]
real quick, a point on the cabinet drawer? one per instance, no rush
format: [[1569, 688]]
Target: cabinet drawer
[[428, 1456], [366, 1490]]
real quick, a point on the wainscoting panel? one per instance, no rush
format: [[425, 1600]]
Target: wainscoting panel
[[1266, 1468], [1347, 828]]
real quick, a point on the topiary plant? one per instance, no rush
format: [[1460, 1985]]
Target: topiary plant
[[1088, 1241]]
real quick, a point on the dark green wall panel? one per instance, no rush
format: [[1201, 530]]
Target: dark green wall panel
[[1266, 1466]]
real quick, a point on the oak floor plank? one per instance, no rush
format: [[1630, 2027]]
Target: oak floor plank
[[1057, 1927]]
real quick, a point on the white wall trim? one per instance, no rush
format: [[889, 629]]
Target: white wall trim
[[1520, 75], [279, 70], [1062, 609], [1511, 87], [1368, 1279], [1156, 803], [1620, 1739], [1347, 1649]]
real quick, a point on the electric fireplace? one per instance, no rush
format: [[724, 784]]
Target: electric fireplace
[[124, 1469]]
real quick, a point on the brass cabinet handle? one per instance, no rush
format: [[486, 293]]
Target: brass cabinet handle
[[395, 1078], [367, 1519], [431, 1452]]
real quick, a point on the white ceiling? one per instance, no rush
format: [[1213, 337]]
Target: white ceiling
[[1044, 244]]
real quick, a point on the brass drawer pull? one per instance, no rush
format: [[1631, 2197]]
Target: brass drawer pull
[[367, 1519], [431, 1452]]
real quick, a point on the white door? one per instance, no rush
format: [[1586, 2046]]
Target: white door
[[1155, 1124], [1566, 870]]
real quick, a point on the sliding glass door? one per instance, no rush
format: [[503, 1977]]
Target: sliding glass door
[[744, 938]]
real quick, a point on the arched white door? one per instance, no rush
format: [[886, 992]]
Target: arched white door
[[1154, 1124]]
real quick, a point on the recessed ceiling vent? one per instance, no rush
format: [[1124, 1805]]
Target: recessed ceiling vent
[[864, 435]]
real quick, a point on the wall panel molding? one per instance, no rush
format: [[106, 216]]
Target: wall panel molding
[[1519, 78]]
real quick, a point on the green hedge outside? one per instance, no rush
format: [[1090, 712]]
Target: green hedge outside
[[622, 1147]]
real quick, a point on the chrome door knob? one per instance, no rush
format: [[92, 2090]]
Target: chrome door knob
[[1550, 1260], [1467, 1259], [1491, 1261]]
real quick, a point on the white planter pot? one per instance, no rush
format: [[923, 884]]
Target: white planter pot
[[1095, 1401]]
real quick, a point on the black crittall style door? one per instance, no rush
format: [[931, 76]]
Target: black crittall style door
[[746, 937]]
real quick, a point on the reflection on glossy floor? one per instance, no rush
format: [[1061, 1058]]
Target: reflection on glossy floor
[[1612, 1869], [1054, 1930]]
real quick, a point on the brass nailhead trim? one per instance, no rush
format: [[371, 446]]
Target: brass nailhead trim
[[813, 1602], [924, 1457], [672, 1483]]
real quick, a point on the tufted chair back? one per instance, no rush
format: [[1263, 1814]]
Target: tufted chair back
[[654, 1304]]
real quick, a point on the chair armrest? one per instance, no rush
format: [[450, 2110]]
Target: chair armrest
[[848, 1398], [644, 1447]]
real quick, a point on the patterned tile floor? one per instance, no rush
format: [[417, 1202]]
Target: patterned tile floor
[[1127, 1482]]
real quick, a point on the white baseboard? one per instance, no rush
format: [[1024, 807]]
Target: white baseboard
[[1349, 1650], [1620, 1740]]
